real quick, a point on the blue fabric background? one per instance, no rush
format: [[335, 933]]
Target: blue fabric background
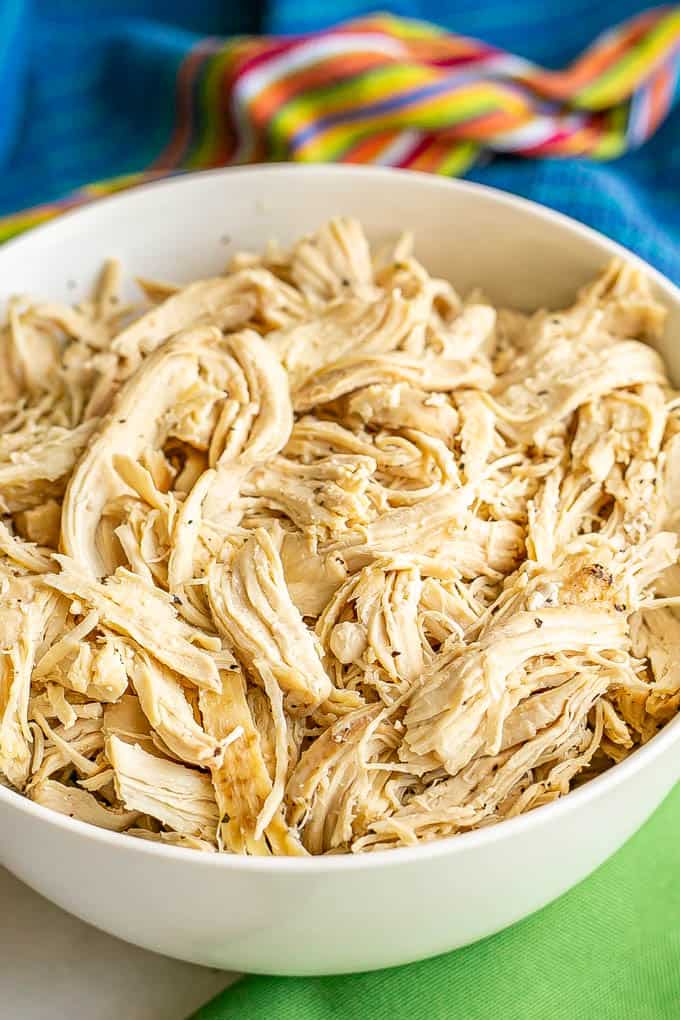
[[87, 92]]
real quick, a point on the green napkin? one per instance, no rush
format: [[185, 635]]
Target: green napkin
[[607, 950]]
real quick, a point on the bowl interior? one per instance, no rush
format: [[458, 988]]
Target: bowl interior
[[520, 254]]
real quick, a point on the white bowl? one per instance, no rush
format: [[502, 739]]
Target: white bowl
[[333, 914]]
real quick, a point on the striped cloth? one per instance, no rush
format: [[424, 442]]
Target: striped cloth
[[397, 92]]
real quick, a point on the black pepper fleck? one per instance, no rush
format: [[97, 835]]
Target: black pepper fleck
[[538, 621], [601, 573], [619, 607]]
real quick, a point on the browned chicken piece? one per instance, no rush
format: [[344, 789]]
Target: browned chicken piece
[[242, 781]]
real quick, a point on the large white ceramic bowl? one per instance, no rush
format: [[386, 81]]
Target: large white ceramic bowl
[[332, 914]]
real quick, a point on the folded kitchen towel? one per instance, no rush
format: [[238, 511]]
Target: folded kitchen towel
[[141, 99], [607, 950]]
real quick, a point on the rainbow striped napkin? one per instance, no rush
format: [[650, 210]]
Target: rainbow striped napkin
[[387, 90]]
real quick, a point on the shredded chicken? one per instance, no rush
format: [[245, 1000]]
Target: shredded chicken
[[316, 556]]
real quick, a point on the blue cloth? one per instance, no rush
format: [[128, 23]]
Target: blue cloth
[[88, 93]]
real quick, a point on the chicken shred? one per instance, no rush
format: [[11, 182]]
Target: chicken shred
[[316, 556]]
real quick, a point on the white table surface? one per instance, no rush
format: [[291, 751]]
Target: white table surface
[[52, 965]]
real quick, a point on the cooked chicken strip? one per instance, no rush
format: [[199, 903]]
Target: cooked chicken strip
[[140, 417], [69, 800], [252, 609], [24, 613], [430, 372], [164, 703], [482, 682], [177, 796], [130, 606], [311, 783]]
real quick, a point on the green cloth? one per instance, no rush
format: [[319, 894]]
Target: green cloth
[[607, 950]]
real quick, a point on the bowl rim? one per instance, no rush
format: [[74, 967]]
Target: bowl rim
[[595, 788]]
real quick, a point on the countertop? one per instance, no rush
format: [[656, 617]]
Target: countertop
[[52, 965]]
